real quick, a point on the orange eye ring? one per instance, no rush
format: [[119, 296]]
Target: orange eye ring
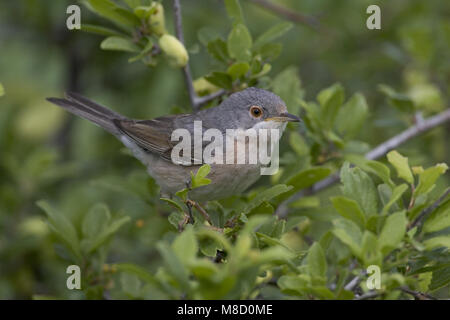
[[256, 112]]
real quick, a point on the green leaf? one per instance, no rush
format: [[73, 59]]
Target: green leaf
[[144, 12], [140, 272], [428, 178], [357, 107], [440, 278], [393, 231], [269, 51], [265, 69], [330, 99], [101, 30], [400, 164], [185, 246], [358, 186], [439, 219], [173, 203], [218, 49], [106, 234], [95, 220], [119, 44], [273, 33], [437, 242], [2, 90], [400, 101], [287, 85], [130, 284], [234, 11], [199, 179], [239, 43], [173, 264], [238, 70], [220, 79], [133, 3], [265, 196], [62, 227], [308, 177], [396, 195], [349, 209], [317, 263], [372, 166], [371, 255], [112, 12], [349, 233]]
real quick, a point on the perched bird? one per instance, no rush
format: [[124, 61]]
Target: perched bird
[[150, 140]]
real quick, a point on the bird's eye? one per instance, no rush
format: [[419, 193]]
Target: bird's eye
[[256, 112]]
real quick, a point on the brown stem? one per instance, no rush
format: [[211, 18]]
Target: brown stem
[[196, 101]]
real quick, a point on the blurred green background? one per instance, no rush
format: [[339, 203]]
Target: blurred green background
[[48, 154]]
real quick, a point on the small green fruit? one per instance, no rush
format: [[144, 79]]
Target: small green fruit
[[174, 50]]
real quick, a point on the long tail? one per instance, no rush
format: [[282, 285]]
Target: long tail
[[87, 109]]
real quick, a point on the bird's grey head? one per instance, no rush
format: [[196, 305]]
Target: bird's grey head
[[255, 108]]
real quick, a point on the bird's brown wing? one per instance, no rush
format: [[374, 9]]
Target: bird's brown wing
[[151, 135]]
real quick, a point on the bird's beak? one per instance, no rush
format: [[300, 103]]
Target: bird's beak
[[284, 117]]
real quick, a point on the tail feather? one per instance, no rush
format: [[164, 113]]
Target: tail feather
[[87, 109]]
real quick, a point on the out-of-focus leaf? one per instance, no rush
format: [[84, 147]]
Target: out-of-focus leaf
[[436, 242], [107, 233], [101, 30], [114, 13], [331, 100], [347, 125], [273, 33], [218, 49], [234, 11], [140, 272], [238, 70], [287, 85], [440, 278], [95, 220], [400, 101], [185, 246], [220, 79], [62, 227]]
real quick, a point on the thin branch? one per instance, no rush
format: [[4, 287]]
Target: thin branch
[[368, 295], [428, 210], [353, 283], [196, 101], [417, 295], [288, 14], [379, 151]]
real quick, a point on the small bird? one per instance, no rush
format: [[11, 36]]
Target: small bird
[[150, 140]]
